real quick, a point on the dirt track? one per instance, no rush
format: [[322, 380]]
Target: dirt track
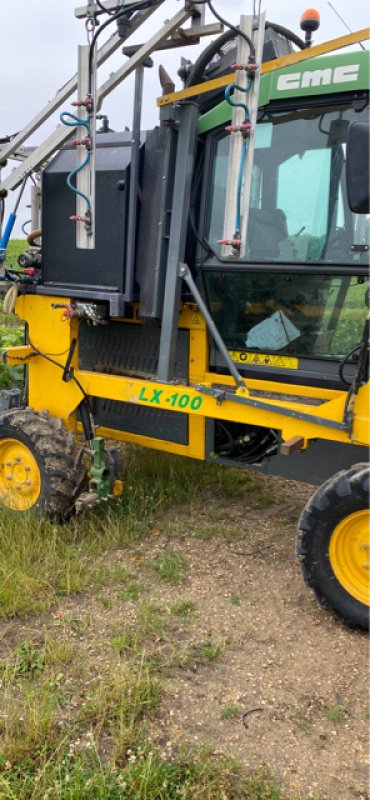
[[256, 669], [282, 654]]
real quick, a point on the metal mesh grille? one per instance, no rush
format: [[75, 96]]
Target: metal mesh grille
[[125, 349], [154, 220], [168, 426]]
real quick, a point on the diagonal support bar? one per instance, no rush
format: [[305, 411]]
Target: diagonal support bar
[[59, 98], [185, 273], [149, 47], [60, 136]]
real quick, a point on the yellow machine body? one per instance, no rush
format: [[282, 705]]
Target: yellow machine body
[[296, 415]]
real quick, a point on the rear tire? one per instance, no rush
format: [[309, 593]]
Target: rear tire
[[40, 464], [334, 547]]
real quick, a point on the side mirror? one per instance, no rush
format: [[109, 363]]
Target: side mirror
[[357, 167]]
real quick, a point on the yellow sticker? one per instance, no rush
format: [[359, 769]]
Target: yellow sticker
[[196, 320], [263, 359]]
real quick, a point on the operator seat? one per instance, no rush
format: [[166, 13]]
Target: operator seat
[[268, 235]]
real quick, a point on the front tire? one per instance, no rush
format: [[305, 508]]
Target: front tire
[[334, 546], [40, 464]]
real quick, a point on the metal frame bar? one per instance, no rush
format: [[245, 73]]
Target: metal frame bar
[[198, 10], [149, 47], [185, 155], [181, 38], [61, 135], [93, 10], [107, 49], [268, 66], [134, 183]]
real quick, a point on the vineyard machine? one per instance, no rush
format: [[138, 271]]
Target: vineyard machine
[[200, 288]]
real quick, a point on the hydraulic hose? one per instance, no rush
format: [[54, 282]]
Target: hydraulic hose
[[196, 73], [31, 238]]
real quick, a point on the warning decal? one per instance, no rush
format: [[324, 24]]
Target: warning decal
[[263, 359]]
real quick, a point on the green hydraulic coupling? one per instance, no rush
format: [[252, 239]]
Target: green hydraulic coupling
[[103, 481]]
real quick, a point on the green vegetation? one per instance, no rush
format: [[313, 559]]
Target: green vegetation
[[130, 592], [336, 714], [231, 711], [11, 335], [170, 566], [14, 249], [11, 329], [205, 651], [41, 561], [81, 690], [302, 719], [235, 600], [183, 608], [28, 661], [145, 775]]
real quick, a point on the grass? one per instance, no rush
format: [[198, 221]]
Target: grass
[[301, 718], [41, 562], [145, 775], [205, 651], [130, 592], [44, 753], [13, 250], [183, 608], [170, 566], [117, 704], [11, 329], [50, 746], [75, 710], [235, 600], [231, 711], [336, 714], [37, 564]]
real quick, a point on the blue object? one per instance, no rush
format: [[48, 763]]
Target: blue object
[[232, 103], [6, 235], [240, 186], [72, 121], [230, 88]]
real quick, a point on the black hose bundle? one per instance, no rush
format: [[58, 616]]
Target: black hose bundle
[[196, 74]]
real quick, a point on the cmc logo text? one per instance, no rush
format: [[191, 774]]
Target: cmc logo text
[[318, 77]]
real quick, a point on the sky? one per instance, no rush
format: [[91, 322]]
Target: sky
[[38, 55]]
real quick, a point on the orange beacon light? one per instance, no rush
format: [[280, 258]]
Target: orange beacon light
[[310, 22]]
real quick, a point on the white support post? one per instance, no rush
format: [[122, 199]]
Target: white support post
[[236, 140], [36, 207], [253, 96], [251, 100], [85, 178]]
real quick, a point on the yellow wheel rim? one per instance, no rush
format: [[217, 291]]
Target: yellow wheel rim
[[20, 479], [349, 554]]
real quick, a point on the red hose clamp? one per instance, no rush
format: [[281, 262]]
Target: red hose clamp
[[85, 141], [231, 243], [82, 103], [244, 128], [80, 218], [250, 67], [68, 313]]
